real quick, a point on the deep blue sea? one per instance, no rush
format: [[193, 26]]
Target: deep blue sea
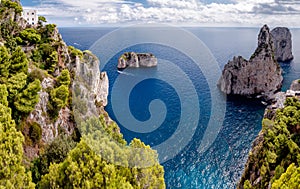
[[174, 101]]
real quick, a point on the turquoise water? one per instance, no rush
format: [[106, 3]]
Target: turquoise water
[[221, 165]]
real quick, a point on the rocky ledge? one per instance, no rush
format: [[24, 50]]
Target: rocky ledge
[[261, 76], [282, 41], [280, 98], [135, 60]]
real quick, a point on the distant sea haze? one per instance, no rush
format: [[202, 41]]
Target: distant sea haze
[[222, 164]]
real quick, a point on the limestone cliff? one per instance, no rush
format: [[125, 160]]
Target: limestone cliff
[[282, 40], [258, 77], [88, 66], [132, 59], [95, 81]]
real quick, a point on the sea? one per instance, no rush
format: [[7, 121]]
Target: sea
[[202, 137]]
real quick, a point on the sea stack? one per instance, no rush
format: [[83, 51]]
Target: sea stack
[[261, 76], [282, 41], [136, 60]]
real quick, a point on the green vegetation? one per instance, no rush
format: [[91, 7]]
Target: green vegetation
[[15, 84], [4, 64], [278, 150], [102, 170], [12, 172], [3, 95], [27, 99], [59, 96], [64, 78], [12, 5], [35, 132], [75, 52], [30, 36], [82, 160], [55, 152], [18, 62], [288, 180], [41, 21], [22, 95]]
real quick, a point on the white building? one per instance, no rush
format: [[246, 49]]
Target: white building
[[30, 16]]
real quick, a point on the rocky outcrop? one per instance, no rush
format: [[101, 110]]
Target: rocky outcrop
[[97, 83], [91, 79], [132, 59], [258, 77], [280, 98], [295, 86], [40, 115], [282, 40]]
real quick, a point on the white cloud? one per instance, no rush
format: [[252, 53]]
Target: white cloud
[[186, 12]]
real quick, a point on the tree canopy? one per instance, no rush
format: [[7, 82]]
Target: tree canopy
[[27, 99], [12, 171]]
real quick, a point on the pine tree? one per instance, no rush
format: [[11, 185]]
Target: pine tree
[[93, 163], [289, 179], [12, 172], [19, 62], [84, 169], [64, 78], [60, 96], [51, 61], [27, 99], [3, 95], [15, 84], [4, 64]]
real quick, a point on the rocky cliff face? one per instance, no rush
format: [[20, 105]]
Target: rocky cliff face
[[40, 115], [89, 69], [282, 40], [258, 77], [92, 79], [252, 171], [132, 59]]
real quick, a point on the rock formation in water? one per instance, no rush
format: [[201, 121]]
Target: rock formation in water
[[258, 77], [132, 59], [282, 41]]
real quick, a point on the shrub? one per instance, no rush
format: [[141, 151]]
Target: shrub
[[37, 73], [75, 52], [55, 152], [30, 35], [64, 78], [51, 62], [35, 132], [60, 96], [12, 5]]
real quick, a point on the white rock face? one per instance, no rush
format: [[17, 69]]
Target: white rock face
[[88, 69], [259, 76], [132, 59], [101, 88], [282, 40]]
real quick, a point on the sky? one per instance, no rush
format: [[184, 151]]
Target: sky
[[205, 13]]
